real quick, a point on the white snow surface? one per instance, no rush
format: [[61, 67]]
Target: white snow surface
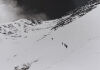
[[82, 37]]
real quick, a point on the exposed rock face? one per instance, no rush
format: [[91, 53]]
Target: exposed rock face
[[22, 27]]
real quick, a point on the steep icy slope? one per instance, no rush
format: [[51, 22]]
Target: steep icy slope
[[25, 45], [84, 38]]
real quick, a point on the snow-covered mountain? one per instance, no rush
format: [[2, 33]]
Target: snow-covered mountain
[[32, 45]]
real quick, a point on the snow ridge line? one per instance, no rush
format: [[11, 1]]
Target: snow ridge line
[[77, 13]]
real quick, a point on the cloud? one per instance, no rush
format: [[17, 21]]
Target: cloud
[[9, 11]]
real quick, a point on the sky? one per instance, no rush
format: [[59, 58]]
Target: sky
[[11, 10]]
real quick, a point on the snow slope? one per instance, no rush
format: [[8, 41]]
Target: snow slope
[[43, 50]]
